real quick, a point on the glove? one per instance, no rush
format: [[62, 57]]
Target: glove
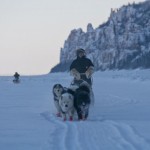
[[75, 74], [89, 72]]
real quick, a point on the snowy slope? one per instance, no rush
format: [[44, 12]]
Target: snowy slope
[[119, 120]]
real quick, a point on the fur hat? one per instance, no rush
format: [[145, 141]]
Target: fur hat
[[80, 50]]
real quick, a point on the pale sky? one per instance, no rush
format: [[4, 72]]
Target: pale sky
[[33, 31]]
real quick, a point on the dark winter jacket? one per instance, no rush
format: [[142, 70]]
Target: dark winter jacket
[[81, 64], [16, 75]]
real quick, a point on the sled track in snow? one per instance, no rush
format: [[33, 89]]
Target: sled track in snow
[[127, 138], [120, 135], [65, 135]]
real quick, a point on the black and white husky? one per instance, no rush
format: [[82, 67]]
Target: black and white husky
[[82, 101], [58, 90]]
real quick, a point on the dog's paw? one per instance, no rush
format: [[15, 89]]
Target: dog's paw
[[58, 115], [64, 119], [71, 118]]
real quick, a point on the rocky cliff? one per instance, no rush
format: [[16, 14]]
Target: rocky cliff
[[123, 42]]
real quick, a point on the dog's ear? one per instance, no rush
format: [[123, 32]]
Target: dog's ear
[[61, 86], [71, 91], [54, 87], [65, 89]]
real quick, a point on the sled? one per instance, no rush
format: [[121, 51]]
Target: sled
[[16, 81]]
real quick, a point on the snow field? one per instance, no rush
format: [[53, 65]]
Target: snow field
[[119, 119]]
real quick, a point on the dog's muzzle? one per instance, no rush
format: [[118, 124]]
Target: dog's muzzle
[[66, 105]]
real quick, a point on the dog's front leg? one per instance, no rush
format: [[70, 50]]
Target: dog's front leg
[[64, 116], [71, 112], [86, 114], [58, 114], [79, 113]]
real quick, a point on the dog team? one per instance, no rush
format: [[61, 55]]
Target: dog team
[[78, 97], [71, 100]]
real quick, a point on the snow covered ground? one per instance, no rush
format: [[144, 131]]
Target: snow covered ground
[[119, 119]]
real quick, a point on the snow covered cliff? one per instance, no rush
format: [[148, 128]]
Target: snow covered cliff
[[123, 42]]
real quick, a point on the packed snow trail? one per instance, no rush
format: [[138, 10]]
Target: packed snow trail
[[93, 135], [119, 119]]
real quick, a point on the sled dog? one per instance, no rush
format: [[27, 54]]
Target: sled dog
[[82, 101], [58, 90], [66, 103]]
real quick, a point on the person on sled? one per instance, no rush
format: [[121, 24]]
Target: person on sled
[[16, 75], [82, 68]]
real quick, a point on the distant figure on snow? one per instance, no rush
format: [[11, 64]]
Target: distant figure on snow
[[16, 75]]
